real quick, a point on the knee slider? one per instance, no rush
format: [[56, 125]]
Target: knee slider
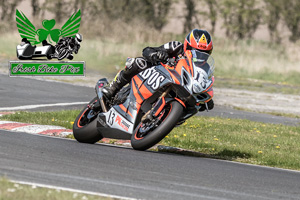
[[129, 63], [141, 63], [134, 66]]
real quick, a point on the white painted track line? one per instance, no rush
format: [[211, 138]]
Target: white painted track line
[[35, 129], [72, 190], [27, 107]]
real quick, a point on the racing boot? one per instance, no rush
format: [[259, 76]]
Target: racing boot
[[133, 66], [111, 90]]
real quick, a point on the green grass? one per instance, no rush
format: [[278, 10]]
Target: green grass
[[15, 191], [63, 118], [291, 115], [240, 140], [257, 60], [8, 46], [256, 85], [230, 139]]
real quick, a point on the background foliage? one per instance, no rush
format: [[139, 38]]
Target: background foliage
[[240, 18], [116, 29]]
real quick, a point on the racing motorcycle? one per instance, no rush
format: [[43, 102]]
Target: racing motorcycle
[[155, 101]]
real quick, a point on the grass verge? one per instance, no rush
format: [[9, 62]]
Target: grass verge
[[230, 139], [239, 140], [256, 85], [64, 118], [13, 191], [290, 115]]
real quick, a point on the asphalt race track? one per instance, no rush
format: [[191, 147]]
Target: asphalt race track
[[15, 91], [123, 171], [144, 175]]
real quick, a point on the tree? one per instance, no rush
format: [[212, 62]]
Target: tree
[[272, 18], [241, 18], [157, 12], [4, 6], [291, 17], [35, 8], [8, 9], [60, 9], [152, 13], [188, 18], [212, 15]]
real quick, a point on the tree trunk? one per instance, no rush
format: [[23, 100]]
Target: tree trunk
[[188, 24], [35, 8]]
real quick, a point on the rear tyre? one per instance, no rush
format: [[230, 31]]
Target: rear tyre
[[85, 126], [142, 140]]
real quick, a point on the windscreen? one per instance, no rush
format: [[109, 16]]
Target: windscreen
[[203, 61], [203, 65]]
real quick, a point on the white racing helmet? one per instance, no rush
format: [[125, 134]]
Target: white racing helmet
[[78, 38]]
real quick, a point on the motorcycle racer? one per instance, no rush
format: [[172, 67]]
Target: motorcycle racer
[[197, 39]]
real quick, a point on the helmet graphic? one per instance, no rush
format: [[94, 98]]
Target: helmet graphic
[[200, 40]]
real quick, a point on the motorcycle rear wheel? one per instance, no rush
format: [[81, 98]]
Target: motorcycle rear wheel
[[169, 121], [86, 131]]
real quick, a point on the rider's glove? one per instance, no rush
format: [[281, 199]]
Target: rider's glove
[[210, 105], [160, 56]]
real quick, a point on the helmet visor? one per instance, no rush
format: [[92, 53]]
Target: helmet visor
[[188, 47]]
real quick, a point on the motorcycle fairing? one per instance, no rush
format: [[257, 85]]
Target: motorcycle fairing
[[109, 132], [100, 84], [115, 120], [112, 124], [147, 83], [145, 87]]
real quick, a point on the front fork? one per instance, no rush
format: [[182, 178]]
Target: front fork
[[99, 85], [157, 108]]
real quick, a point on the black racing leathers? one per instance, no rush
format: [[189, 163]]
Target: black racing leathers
[[151, 56], [172, 49]]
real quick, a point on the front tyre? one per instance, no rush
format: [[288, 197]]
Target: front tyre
[[85, 125], [62, 54], [144, 137]]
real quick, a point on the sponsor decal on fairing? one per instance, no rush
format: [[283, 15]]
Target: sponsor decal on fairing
[[115, 120], [154, 78]]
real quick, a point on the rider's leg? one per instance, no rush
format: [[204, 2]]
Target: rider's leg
[[133, 66]]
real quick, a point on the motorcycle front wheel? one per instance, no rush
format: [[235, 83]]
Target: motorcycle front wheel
[[85, 125], [62, 54], [147, 135]]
